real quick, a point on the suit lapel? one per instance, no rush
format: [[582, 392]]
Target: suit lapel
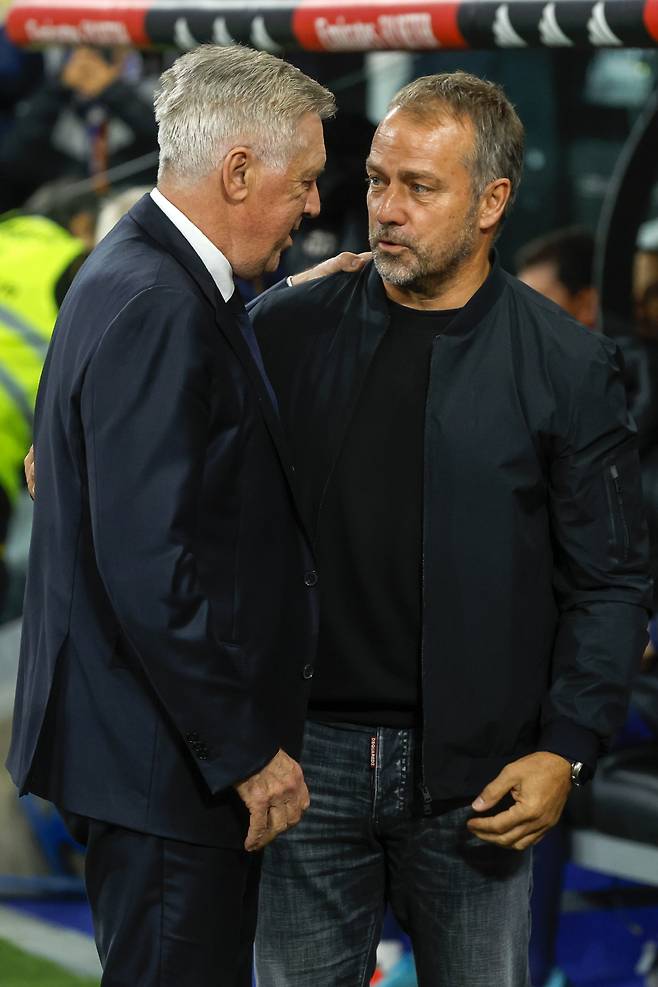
[[231, 330], [154, 222]]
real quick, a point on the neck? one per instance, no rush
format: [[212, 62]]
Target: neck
[[452, 293], [201, 207]]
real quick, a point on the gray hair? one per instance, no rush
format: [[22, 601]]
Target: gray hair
[[214, 97], [499, 133]]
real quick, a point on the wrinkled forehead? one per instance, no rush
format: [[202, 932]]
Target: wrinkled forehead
[[426, 118], [416, 140]]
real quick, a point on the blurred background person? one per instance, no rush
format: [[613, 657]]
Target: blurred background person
[[559, 265], [21, 72], [91, 116], [38, 259], [41, 250]]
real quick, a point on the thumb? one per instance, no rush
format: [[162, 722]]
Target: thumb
[[494, 791]]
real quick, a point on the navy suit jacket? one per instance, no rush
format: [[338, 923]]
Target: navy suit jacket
[[170, 613]]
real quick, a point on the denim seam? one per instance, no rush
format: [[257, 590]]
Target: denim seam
[[364, 981], [402, 789]]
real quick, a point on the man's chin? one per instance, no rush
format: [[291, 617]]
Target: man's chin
[[391, 270]]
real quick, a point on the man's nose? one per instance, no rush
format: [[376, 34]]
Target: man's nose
[[389, 209], [312, 207]]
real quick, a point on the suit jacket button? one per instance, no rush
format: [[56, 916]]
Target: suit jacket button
[[308, 671], [192, 738], [310, 578]]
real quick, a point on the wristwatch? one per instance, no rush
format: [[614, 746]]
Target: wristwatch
[[578, 773]]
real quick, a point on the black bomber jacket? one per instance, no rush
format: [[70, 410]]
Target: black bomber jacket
[[535, 581]]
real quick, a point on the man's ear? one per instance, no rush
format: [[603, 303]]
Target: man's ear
[[236, 172], [493, 203]]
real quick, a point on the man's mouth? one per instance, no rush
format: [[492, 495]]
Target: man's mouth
[[290, 237], [389, 243], [391, 246]]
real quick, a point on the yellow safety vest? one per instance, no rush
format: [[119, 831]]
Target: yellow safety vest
[[34, 253]]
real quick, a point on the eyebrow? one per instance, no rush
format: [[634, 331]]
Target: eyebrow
[[424, 175], [410, 174], [313, 174]]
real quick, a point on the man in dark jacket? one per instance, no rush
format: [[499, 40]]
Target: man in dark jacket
[[169, 615], [467, 465]]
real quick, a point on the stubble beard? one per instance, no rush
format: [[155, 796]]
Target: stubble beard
[[418, 270]]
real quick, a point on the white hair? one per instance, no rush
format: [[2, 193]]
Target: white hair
[[213, 98]]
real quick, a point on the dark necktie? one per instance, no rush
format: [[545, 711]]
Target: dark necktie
[[239, 314]]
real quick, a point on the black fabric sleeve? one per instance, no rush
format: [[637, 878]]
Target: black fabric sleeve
[[601, 579]]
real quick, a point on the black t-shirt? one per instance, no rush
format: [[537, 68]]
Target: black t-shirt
[[369, 538]]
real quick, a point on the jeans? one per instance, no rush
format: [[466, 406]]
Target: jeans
[[364, 844]]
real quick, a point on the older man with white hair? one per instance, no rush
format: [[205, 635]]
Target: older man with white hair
[[170, 614]]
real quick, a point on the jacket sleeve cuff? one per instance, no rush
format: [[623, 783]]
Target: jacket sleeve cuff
[[569, 740], [219, 776]]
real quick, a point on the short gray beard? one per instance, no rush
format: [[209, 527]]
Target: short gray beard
[[425, 274]]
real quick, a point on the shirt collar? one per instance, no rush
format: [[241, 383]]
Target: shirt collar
[[211, 256]]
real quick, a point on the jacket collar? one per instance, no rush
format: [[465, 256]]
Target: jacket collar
[[338, 391], [161, 229], [472, 313]]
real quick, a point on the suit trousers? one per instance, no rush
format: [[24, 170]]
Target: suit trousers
[[168, 913]]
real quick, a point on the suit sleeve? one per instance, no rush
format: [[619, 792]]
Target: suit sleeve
[[146, 412], [601, 580]]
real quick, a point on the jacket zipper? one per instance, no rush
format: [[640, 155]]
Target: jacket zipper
[[424, 790], [614, 474]]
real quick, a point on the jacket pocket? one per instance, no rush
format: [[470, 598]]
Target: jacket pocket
[[619, 533]]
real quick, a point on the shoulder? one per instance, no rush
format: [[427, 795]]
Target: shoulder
[[569, 373], [128, 272], [536, 321], [312, 298]]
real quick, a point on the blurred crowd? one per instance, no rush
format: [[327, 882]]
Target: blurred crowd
[[76, 129]]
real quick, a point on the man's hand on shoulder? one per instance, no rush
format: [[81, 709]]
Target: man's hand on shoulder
[[28, 464], [539, 784], [341, 262], [277, 798]]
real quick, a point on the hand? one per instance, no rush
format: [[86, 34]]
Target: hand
[[539, 785], [88, 73], [30, 479], [648, 658], [276, 797], [341, 262]]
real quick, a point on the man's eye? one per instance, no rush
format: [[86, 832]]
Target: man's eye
[[419, 188], [372, 181]]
